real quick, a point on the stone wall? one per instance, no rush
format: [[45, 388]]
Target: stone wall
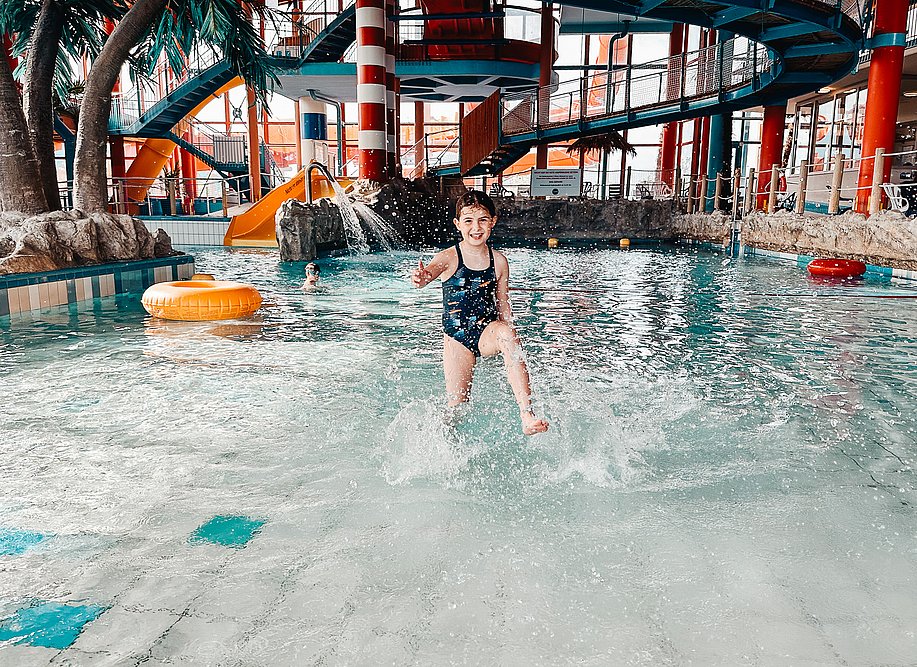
[[886, 239], [64, 239], [711, 227], [585, 219]]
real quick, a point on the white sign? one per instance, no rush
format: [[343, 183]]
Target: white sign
[[556, 183]]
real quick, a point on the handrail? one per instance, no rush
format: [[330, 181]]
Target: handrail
[[322, 168], [438, 159]]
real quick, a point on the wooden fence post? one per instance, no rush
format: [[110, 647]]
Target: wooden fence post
[[803, 183], [772, 193], [750, 196], [837, 180], [878, 173]]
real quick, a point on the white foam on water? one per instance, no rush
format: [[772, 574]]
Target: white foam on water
[[422, 442]]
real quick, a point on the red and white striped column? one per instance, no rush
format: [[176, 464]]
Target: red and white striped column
[[391, 143], [371, 89]]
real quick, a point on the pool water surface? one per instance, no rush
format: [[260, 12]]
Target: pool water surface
[[728, 477]]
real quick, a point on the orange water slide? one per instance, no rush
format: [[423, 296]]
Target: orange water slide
[[255, 227], [155, 153]]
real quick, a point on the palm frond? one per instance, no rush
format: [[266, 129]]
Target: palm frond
[[597, 143], [223, 25]]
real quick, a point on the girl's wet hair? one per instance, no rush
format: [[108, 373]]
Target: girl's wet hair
[[473, 199], [314, 268]]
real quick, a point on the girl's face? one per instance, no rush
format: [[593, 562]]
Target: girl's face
[[475, 224]]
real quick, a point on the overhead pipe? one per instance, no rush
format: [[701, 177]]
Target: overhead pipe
[[340, 125]]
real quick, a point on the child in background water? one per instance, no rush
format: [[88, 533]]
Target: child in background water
[[312, 275], [477, 317]]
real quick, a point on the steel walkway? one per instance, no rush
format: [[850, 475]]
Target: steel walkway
[[784, 48]]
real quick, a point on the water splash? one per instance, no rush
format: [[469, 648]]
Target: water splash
[[379, 226], [353, 232]]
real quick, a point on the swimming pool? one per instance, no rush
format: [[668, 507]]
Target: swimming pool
[[728, 478]]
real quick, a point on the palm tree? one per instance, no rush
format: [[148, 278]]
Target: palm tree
[[172, 27], [20, 184], [63, 29]]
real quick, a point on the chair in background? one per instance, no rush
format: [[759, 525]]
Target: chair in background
[[896, 198]]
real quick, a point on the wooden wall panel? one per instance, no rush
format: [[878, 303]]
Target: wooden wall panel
[[480, 132]]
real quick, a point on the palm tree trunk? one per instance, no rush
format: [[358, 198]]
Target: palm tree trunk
[[39, 78], [20, 184], [90, 177]]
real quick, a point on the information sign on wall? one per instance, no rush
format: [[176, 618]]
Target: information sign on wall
[[556, 182]]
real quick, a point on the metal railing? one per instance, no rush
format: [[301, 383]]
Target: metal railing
[[516, 23], [288, 37], [831, 193], [695, 75]]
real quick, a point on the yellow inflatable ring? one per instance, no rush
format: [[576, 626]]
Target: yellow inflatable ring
[[201, 300]]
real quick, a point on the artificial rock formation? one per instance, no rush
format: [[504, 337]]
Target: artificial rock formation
[[597, 219], [63, 239], [888, 238], [304, 229], [713, 227]]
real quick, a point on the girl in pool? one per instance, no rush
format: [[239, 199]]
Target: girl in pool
[[477, 317]]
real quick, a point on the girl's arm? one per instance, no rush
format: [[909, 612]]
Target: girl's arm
[[424, 275], [504, 309]]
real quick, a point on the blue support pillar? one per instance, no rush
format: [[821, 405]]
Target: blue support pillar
[[715, 156], [720, 140]]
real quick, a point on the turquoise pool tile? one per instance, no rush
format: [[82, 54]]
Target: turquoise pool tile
[[48, 624], [16, 542], [228, 531]]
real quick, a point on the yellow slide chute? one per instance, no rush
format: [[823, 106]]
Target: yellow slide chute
[[255, 227]]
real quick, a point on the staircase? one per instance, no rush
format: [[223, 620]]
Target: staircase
[[315, 40]]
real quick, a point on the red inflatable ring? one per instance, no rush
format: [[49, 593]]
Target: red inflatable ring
[[837, 268]]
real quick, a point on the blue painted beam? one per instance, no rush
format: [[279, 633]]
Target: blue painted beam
[[786, 31], [733, 14], [812, 50]]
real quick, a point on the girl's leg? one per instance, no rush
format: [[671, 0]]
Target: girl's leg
[[500, 337], [458, 366]]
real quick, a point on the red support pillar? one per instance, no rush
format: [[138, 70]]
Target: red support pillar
[[391, 116], [254, 147], [546, 69], [371, 91], [884, 86], [419, 147], [771, 150], [298, 115], [189, 174], [673, 91], [8, 54]]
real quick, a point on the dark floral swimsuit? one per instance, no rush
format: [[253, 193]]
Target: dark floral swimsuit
[[470, 302]]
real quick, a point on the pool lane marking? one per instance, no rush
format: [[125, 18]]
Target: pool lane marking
[[824, 294], [846, 296]]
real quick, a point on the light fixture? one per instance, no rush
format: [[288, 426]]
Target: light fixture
[[852, 90], [824, 90], [911, 93]]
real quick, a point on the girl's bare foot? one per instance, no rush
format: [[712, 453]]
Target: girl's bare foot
[[532, 424]]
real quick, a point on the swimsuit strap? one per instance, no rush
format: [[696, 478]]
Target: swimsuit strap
[[461, 260]]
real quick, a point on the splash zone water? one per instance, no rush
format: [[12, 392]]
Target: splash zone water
[[728, 478]]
